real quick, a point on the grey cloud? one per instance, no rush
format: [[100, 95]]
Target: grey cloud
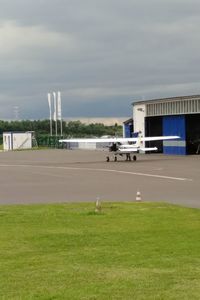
[[97, 53]]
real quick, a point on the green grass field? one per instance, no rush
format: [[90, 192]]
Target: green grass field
[[129, 251]]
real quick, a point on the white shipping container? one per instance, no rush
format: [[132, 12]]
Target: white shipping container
[[17, 140]]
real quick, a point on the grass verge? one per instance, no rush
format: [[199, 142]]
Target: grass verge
[[129, 251]]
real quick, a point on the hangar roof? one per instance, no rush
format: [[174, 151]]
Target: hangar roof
[[167, 99], [128, 121], [171, 106]]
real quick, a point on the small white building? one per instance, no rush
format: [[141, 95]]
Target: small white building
[[17, 140], [87, 146]]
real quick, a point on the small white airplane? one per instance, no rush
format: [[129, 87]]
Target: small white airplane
[[123, 146]]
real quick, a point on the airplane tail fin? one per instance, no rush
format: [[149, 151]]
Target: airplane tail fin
[[140, 146], [139, 141]]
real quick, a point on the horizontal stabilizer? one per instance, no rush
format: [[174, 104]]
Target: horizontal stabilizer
[[130, 150], [148, 149]]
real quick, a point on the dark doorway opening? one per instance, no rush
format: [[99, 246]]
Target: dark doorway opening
[[154, 127], [193, 133]]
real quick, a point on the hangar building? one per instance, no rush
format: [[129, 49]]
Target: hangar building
[[170, 116]]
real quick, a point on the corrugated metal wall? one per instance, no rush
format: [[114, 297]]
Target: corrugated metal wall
[[173, 106], [174, 125]]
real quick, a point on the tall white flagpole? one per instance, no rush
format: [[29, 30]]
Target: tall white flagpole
[[60, 112], [50, 112], [55, 112]]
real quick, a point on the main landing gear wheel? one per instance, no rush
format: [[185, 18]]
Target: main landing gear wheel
[[128, 157], [107, 158], [115, 159], [134, 157]]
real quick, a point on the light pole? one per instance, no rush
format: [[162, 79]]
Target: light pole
[[50, 112]]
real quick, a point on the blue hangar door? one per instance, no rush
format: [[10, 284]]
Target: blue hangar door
[[174, 125]]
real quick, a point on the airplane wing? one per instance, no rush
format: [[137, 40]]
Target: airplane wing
[[118, 139], [159, 138], [96, 140], [136, 149]]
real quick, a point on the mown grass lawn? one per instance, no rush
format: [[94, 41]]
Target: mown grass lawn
[[129, 251]]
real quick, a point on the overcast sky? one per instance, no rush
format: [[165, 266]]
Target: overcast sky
[[101, 54]]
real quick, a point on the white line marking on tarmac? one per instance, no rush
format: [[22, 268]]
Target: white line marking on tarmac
[[101, 170]]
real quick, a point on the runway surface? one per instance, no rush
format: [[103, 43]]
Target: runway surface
[[78, 175]]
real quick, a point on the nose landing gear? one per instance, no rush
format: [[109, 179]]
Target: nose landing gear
[[108, 158]]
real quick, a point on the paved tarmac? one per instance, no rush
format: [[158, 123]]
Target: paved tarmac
[[83, 175]]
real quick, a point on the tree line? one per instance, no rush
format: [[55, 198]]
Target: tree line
[[70, 129]]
